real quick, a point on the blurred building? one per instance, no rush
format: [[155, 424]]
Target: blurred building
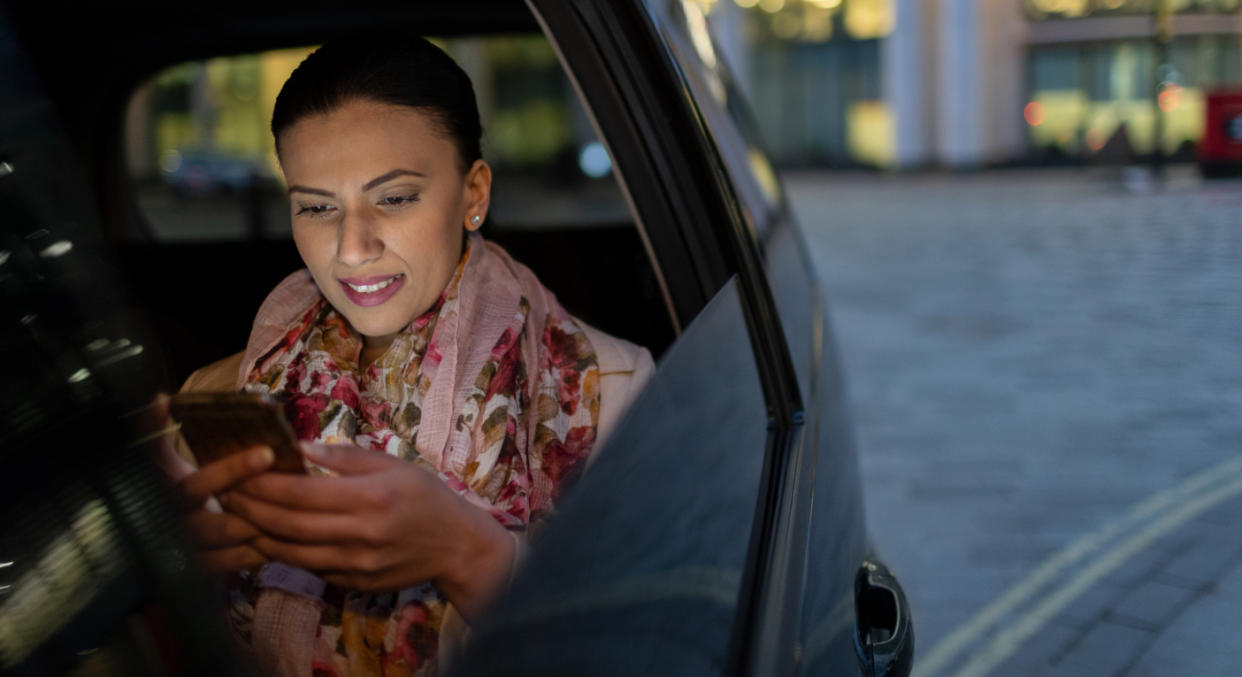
[[1099, 73], [839, 83], [963, 83]]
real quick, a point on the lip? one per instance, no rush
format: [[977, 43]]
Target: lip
[[375, 298]]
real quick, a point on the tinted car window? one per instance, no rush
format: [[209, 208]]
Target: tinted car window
[[721, 103], [642, 568]]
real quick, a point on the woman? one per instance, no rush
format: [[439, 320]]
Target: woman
[[407, 334]]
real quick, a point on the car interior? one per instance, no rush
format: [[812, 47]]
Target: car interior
[[199, 245]]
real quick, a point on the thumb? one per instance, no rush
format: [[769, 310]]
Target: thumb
[[347, 459]]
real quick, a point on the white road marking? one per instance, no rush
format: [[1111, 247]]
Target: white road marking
[[1011, 638], [969, 633]]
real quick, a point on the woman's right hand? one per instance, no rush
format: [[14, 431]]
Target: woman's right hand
[[223, 538]]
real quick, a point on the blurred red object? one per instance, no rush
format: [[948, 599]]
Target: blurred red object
[[1220, 150]]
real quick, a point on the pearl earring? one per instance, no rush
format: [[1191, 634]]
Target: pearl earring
[[474, 220]]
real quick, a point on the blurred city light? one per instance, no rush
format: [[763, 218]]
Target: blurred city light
[[1096, 139], [593, 160], [696, 22], [1169, 98], [1034, 114], [866, 19], [1072, 9], [171, 161], [59, 248], [1069, 8], [815, 21]]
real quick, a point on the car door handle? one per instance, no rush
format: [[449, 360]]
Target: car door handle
[[883, 632]]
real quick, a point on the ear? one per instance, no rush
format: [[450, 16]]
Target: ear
[[478, 194]]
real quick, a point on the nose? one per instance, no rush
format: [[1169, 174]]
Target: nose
[[358, 241]]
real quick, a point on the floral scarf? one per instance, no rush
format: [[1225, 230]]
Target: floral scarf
[[495, 388]]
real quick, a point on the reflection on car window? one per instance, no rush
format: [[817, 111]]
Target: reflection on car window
[[641, 570], [721, 102], [204, 166]]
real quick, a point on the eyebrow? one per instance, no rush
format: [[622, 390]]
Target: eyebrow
[[383, 178], [389, 177]]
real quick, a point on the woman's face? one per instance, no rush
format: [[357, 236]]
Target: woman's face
[[378, 202]]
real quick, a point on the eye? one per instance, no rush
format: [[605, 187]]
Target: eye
[[314, 209], [398, 200]]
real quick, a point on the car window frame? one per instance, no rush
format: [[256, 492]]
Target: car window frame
[[630, 65]]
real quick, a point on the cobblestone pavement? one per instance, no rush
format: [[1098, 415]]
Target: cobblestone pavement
[[1047, 390]]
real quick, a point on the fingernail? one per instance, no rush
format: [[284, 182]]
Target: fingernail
[[264, 458]]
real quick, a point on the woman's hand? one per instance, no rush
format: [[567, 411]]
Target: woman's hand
[[382, 524], [222, 538]]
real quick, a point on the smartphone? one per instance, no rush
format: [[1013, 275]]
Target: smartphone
[[215, 425]]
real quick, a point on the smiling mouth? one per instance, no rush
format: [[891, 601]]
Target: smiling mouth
[[372, 288]]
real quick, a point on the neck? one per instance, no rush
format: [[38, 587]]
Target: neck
[[372, 348]]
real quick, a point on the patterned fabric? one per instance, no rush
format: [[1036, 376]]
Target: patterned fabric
[[495, 389]]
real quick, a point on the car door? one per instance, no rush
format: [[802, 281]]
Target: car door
[[799, 591]]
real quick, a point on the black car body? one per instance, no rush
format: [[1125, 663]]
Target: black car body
[[720, 531]]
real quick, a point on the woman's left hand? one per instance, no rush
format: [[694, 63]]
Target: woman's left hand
[[383, 524]]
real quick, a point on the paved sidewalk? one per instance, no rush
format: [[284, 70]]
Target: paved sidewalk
[[1032, 356]]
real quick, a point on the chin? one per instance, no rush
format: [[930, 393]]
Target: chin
[[368, 324], [374, 327], [384, 320]]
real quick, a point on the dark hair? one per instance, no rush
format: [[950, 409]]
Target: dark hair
[[397, 69]]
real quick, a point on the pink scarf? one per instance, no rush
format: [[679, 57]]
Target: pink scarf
[[495, 388]]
